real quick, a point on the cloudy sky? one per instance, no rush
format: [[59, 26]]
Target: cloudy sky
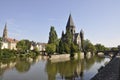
[[31, 19]]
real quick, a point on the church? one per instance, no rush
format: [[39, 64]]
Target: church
[[8, 43], [76, 37]]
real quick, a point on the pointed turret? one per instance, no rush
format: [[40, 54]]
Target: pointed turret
[[70, 25], [62, 33], [5, 35], [82, 32], [82, 39]]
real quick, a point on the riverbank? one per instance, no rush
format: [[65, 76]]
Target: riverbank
[[110, 72]]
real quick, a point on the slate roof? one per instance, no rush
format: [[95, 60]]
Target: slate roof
[[70, 22], [76, 35]]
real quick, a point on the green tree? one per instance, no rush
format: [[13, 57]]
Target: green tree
[[74, 48], [67, 48], [100, 47], [68, 38], [88, 46], [24, 45], [0, 43], [53, 40], [119, 47], [114, 49], [65, 43], [50, 48], [61, 47], [52, 36]]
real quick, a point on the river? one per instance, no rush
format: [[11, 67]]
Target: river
[[42, 69]]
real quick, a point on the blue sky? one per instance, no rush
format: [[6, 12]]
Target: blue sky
[[31, 19]]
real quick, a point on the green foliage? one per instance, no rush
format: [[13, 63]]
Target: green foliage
[[23, 45], [88, 46], [74, 48], [52, 36], [100, 47], [50, 48], [119, 47], [61, 47], [66, 44], [7, 54], [53, 41], [67, 48], [0, 43], [114, 49], [68, 38]]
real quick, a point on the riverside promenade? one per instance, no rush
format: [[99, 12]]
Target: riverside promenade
[[110, 72]]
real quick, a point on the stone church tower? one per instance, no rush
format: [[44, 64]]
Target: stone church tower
[[5, 32], [77, 37]]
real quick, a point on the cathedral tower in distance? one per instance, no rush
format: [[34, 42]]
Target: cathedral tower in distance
[[5, 32]]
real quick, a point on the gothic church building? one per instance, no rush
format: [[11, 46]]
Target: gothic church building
[[76, 37]]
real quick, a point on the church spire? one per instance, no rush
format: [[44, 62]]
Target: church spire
[[70, 22], [5, 35], [70, 25]]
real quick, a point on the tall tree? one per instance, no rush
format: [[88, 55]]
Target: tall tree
[[61, 47], [53, 42], [68, 38], [52, 36], [0, 43]]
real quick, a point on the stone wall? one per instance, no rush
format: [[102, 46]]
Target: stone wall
[[65, 57]]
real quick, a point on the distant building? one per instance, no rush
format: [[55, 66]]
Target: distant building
[[8, 43], [77, 37], [39, 46]]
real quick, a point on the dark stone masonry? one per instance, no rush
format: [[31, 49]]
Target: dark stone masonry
[[110, 72]]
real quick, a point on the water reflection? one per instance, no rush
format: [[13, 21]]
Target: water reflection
[[80, 69], [22, 65], [73, 69]]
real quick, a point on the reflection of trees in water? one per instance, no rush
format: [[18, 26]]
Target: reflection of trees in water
[[6, 63], [51, 70], [70, 69], [2, 71], [22, 66]]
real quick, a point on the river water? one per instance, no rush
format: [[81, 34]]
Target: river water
[[42, 69]]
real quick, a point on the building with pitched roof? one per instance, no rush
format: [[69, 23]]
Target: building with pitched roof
[[8, 43], [39, 46]]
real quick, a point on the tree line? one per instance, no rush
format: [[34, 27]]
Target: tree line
[[59, 46]]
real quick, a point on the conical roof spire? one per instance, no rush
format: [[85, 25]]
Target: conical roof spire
[[70, 22], [5, 35], [81, 32]]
